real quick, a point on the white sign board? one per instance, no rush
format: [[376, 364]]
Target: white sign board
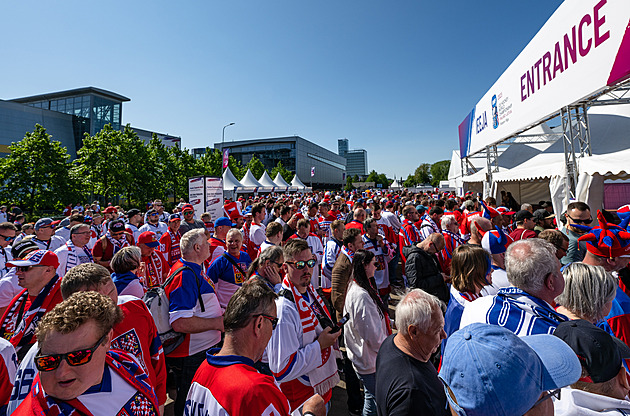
[[583, 48], [214, 197], [196, 195]]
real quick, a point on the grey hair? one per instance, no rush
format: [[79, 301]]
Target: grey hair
[[126, 259], [526, 207], [447, 220], [75, 228], [468, 204], [528, 263], [190, 238], [233, 231], [416, 308], [587, 289]]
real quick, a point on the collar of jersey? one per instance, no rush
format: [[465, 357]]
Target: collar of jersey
[[105, 386], [225, 360]]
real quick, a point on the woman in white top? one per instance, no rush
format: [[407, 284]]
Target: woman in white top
[[368, 325]]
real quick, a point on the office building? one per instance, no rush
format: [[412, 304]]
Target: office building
[[356, 159]]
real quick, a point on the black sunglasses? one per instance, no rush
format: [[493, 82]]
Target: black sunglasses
[[25, 269], [274, 321], [7, 239], [74, 358], [302, 264], [579, 221]]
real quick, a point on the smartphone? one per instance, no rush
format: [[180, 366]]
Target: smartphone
[[341, 323]]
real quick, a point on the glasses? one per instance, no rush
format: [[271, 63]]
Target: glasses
[[25, 269], [302, 264], [85, 232], [277, 264], [74, 358], [7, 239], [155, 214], [551, 393], [188, 212], [274, 321], [579, 221]]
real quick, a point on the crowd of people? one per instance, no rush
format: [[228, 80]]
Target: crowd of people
[[424, 303]]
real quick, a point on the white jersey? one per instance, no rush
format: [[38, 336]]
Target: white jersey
[[51, 245], [158, 229], [63, 232]]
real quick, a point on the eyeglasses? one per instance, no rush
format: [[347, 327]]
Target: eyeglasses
[[302, 264], [188, 212], [579, 221], [155, 214], [25, 269], [274, 321], [74, 358], [551, 393], [7, 239]]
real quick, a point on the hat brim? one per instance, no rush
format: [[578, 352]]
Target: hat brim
[[152, 244], [21, 263], [561, 366]]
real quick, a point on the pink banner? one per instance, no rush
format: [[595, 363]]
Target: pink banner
[[226, 156]]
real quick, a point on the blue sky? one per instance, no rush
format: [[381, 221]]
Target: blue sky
[[395, 78]]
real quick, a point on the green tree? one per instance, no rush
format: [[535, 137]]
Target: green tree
[[36, 174], [256, 166], [349, 186], [286, 174], [423, 173], [372, 177], [356, 178], [410, 181], [184, 166], [439, 171], [382, 179]]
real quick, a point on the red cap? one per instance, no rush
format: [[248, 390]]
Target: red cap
[[110, 210], [37, 258], [148, 238], [187, 207]]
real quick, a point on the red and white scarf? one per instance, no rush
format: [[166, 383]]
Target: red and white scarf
[[154, 270], [22, 333], [324, 377], [118, 244], [174, 253]]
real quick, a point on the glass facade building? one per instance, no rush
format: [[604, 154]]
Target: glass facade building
[[356, 159]]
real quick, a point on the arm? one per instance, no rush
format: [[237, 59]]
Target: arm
[[195, 324], [340, 277]]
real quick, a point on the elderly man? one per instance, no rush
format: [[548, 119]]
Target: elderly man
[[357, 221], [194, 311], [525, 308], [578, 213], [157, 267], [300, 351], [77, 372], [423, 268], [406, 381], [37, 274], [75, 251], [64, 232], [229, 271], [227, 381], [603, 387], [169, 242]]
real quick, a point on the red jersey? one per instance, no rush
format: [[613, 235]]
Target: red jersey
[[156, 269], [169, 246]]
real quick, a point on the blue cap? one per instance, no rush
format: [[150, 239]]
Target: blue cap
[[222, 221], [421, 208], [174, 217], [491, 371]]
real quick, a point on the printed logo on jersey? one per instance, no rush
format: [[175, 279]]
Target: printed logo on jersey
[[238, 276], [129, 342], [137, 405]]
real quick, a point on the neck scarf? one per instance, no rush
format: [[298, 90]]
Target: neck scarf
[[324, 377], [154, 270], [174, 253], [349, 253], [73, 257], [145, 402], [22, 333], [118, 244]]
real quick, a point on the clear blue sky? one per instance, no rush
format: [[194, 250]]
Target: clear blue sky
[[394, 77]]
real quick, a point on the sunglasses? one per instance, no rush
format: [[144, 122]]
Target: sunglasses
[[274, 321], [25, 269], [7, 239], [579, 221], [155, 214], [302, 264], [188, 212], [74, 358]]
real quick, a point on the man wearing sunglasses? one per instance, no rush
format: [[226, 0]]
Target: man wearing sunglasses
[[76, 370], [250, 319], [190, 222], [7, 237], [577, 213], [75, 251], [300, 351], [44, 235], [154, 224]]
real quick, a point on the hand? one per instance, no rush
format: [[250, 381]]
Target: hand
[[315, 405], [326, 338], [271, 274], [447, 278]]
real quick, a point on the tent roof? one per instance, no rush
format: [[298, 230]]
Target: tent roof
[[395, 185], [297, 182], [250, 180], [265, 180], [279, 180], [229, 181]]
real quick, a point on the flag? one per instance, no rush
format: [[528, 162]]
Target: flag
[[312, 171], [226, 156]]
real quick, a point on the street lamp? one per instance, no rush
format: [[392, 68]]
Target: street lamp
[[223, 134]]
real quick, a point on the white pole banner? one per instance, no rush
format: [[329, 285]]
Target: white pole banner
[[582, 49], [214, 197], [196, 197]]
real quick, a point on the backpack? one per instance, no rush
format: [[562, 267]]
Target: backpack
[[158, 304]]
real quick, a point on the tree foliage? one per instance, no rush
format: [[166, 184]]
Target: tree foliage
[[439, 171], [286, 174], [423, 173], [36, 174], [256, 166]]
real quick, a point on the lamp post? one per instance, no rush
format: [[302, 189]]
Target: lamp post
[[222, 140]]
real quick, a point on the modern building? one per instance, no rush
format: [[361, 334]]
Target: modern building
[[356, 159], [296, 154], [67, 116]]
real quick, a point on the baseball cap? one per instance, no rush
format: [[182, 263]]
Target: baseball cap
[[542, 214], [37, 258], [174, 217], [21, 249], [505, 211], [389, 204], [132, 212], [43, 222], [491, 371], [148, 238], [522, 215], [225, 221], [187, 207], [116, 226], [110, 210], [599, 353]]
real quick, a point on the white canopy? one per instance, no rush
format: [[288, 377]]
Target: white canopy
[[395, 185], [230, 183], [250, 180], [279, 181], [265, 180], [296, 182]]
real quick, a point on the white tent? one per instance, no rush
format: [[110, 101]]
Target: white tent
[[230, 183], [249, 180], [279, 181], [395, 185], [265, 180], [297, 183]]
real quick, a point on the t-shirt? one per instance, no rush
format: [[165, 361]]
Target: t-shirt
[[406, 386], [184, 303], [230, 385], [159, 229], [227, 277], [186, 226]]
